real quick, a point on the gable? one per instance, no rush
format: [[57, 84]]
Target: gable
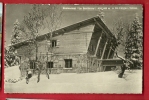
[[76, 41]]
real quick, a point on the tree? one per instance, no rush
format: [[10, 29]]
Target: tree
[[10, 57], [128, 34], [17, 33], [39, 18], [134, 43]]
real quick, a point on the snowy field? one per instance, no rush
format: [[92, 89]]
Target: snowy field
[[100, 82]]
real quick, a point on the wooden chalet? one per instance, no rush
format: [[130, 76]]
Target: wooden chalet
[[87, 46]]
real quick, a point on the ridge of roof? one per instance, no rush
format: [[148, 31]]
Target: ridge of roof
[[69, 28]]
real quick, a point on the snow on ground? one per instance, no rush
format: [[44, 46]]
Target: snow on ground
[[100, 82], [12, 73]]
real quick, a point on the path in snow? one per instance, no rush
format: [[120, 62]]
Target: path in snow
[[100, 82]]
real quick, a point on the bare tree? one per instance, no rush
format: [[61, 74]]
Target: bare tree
[[39, 18]]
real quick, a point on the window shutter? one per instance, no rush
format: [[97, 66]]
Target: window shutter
[[57, 43], [71, 63], [51, 64], [48, 42]]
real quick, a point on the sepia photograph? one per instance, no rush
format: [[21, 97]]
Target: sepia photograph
[[65, 48]]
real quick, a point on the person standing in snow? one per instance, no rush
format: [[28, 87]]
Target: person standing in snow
[[28, 75], [23, 66], [123, 68], [25, 69], [39, 68]]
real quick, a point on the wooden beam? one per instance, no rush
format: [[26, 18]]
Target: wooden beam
[[92, 65], [98, 68], [47, 56], [109, 52], [103, 52], [101, 27], [108, 57], [97, 65], [100, 37], [104, 49], [88, 65]]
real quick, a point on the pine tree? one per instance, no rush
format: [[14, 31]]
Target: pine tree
[[133, 48], [16, 33]]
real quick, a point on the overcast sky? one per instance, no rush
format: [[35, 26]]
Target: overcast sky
[[73, 14]]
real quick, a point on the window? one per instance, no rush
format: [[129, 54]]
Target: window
[[50, 64], [54, 43], [99, 52], [68, 63], [32, 64]]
